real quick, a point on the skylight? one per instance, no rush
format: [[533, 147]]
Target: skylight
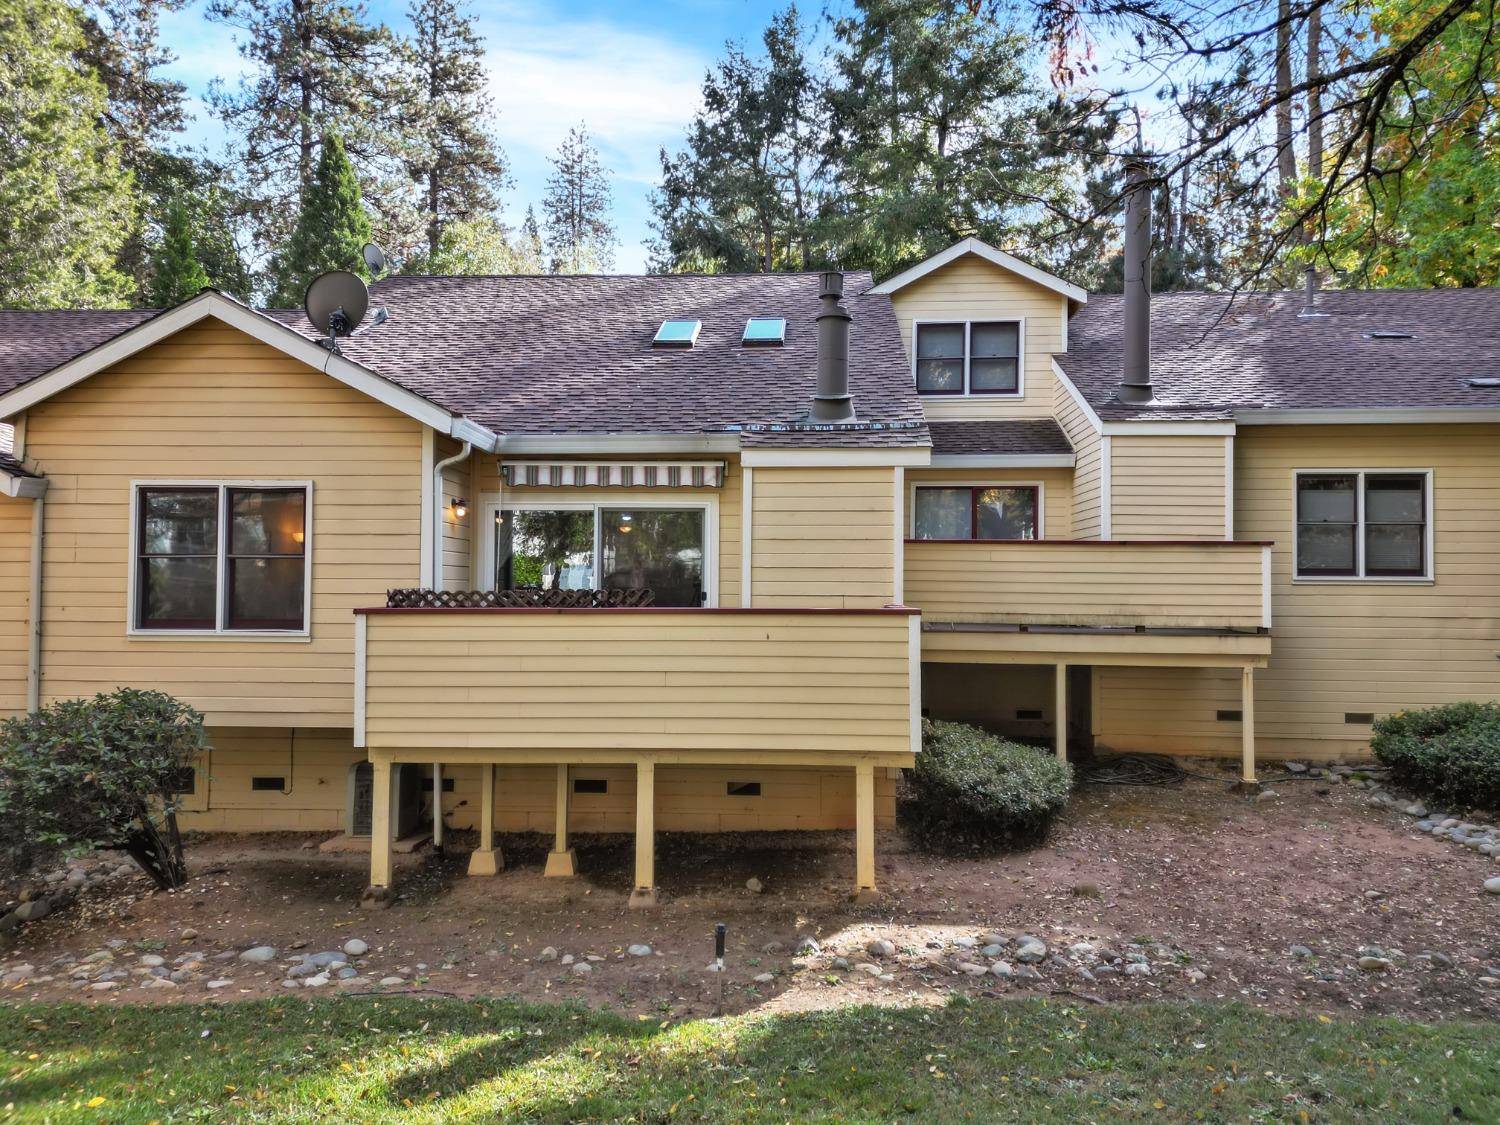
[[677, 333], [763, 330]]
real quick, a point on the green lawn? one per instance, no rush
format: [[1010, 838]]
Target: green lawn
[[418, 1059]]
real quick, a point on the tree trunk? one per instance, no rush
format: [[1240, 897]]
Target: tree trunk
[[158, 856], [1286, 155], [302, 19], [1315, 92]]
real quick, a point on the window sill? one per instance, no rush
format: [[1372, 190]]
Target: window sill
[[303, 636], [982, 395], [1356, 580]]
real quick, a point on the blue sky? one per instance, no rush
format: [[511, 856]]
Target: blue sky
[[632, 71]]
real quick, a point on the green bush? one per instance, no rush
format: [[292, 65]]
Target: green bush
[[99, 773], [972, 791], [1448, 753]]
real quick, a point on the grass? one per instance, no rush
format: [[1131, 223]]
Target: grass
[[420, 1059]]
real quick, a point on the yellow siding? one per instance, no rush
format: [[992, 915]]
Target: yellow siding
[[457, 533], [314, 763], [1165, 487], [973, 289], [639, 681], [1056, 484], [823, 537], [15, 601], [991, 696], [1054, 583], [487, 484], [212, 404], [1088, 452], [1343, 647]]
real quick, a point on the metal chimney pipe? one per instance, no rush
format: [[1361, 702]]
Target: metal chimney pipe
[[1135, 380], [1309, 288], [833, 402]]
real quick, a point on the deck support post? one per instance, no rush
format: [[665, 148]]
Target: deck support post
[[864, 834], [561, 862], [382, 798], [437, 807], [486, 859], [1060, 712], [644, 893], [1247, 726]]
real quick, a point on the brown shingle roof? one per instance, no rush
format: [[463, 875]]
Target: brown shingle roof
[[1013, 437], [572, 355], [33, 342], [1211, 355]]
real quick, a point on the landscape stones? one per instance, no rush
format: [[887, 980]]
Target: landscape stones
[[1493, 885], [218, 984], [753, 885], [1003, 970], [1300, 951], [869, 969], [188, 934], [1028, 972], [354, 947], [153, 960], [880, 947], [582, 969], [807, 946], [548, 954], [105, 985], [764, 978], [32, 910], [639, 950], [259, 953], [347, 973], [972, 969], [392, 982], [992, 950], [840, 963], [1031, 950], [1374, 964]]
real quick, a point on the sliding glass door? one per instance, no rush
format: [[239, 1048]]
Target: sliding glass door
[[661, 549]]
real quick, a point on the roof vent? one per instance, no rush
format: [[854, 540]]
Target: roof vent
[[677, 333], [1485, 381], [1388, 335], [1310, 295], [764, 331]]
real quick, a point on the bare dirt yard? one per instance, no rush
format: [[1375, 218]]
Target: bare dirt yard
[[1139, 894]]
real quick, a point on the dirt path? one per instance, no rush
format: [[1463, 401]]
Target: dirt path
[[1204, 888]]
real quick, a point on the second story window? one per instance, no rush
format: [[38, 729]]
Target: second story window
[[978, 357], [221, 558], [982, 512], [1363, 525]]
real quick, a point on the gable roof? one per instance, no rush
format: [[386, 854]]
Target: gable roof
[[1253, 356], [552, 355], [981, 249]]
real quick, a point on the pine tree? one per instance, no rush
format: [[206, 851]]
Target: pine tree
[[454, 161], [176, 273], [580, 237], [332, 228], [65, 202], [122, 45], [317, 65], [743, 195]]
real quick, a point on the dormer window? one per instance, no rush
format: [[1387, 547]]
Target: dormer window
[[974, 357], [764, 331], [677, 333]]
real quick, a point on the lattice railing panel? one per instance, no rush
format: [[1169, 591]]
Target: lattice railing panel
[[527, 598]]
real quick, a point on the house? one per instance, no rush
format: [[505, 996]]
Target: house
[[694, 553]]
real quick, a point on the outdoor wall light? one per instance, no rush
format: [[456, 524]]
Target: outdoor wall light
[[460, 508]]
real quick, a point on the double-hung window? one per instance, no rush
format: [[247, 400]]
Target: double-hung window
[[221, 558], [976, 512], [1364, 524], [969, 358]]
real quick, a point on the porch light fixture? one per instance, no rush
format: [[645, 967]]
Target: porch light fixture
[[626, 525], [460, 507]]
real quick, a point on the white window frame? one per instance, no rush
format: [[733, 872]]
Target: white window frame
[[220, 631], [1041, 503], [1428, 539], [968, 323], [492, 503]]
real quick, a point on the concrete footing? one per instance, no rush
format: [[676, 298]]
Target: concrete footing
[[561, 865]]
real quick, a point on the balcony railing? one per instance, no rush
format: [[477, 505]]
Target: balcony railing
[[535, 684], [1156, 584]]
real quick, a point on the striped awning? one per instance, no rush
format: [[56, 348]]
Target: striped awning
[[613, 474]]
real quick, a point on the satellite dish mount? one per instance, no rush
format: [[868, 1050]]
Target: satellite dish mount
[[336, 303]]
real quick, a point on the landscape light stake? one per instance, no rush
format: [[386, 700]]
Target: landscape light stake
[[719, 932]]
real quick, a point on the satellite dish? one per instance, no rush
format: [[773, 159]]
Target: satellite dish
[[374, 257], [335, 303]]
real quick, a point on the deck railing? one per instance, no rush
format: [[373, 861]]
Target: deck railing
[[733, 683], [1152, 584]]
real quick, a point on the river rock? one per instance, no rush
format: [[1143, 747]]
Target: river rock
[[1493, 885], [881, 947], [356, 947], [259, 953], [641, 949], [548, 954], [1030, 950]]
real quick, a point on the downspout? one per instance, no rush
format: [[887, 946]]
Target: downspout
[[34, 626], [437, 511]]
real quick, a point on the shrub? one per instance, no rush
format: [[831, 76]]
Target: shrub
[[1449, 753], [101, 772], [972, 791]]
